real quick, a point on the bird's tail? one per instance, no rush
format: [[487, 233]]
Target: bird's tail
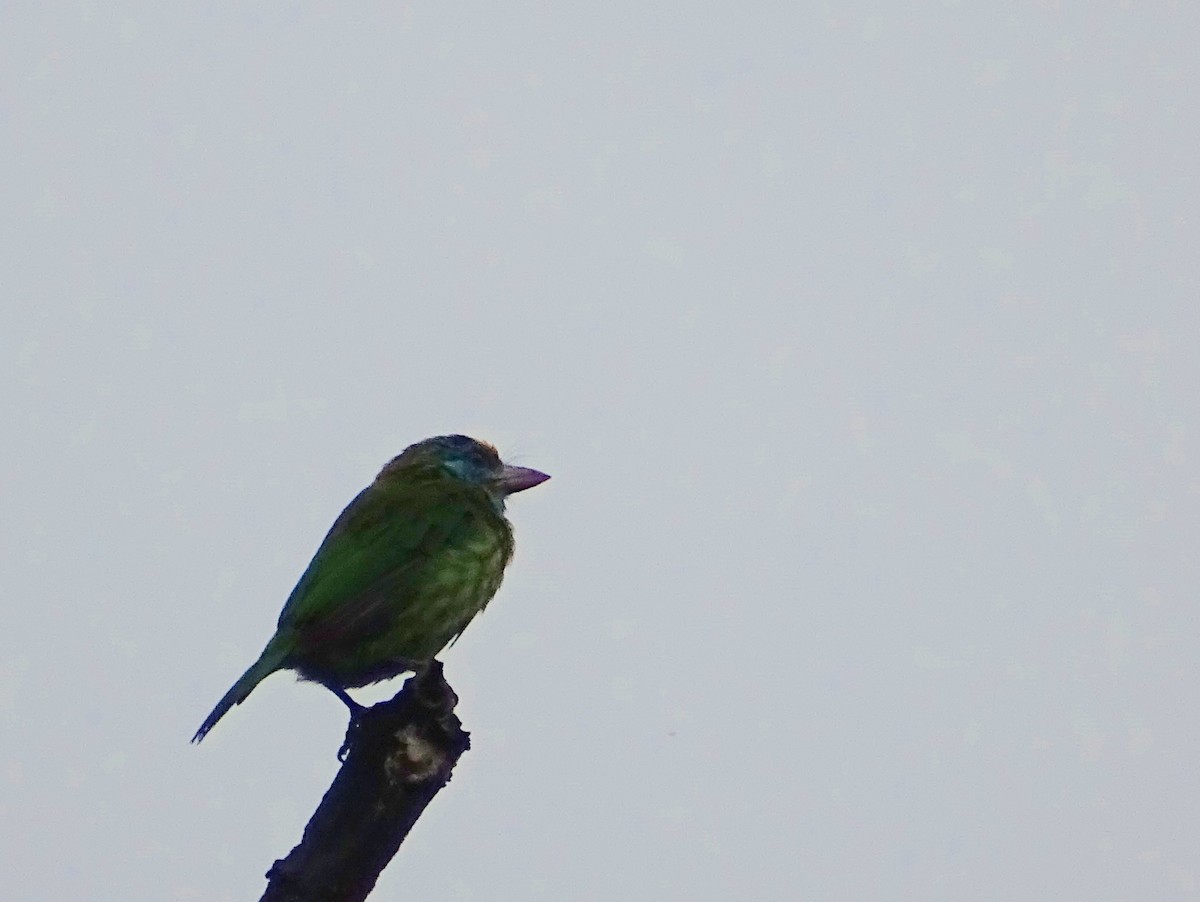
[[268, 662]]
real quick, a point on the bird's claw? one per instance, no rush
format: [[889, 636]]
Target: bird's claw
[[351, 732]]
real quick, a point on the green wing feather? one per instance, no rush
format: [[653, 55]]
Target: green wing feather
[[393, 579], [383, 534]]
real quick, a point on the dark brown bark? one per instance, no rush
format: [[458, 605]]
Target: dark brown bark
[[398, 755]]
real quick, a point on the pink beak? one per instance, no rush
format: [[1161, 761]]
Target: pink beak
[[518, 479]]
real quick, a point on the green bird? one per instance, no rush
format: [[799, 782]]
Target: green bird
[[404, 568]]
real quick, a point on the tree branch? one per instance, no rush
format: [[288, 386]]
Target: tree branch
[[399, 754]]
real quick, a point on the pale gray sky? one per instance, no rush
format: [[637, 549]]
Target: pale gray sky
[[860, 341]]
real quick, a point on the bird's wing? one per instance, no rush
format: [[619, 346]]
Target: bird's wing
[[376, 548]]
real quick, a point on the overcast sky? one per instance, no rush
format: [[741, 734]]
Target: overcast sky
[[860, 341]]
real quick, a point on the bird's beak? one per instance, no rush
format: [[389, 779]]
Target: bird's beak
[[518, 479]]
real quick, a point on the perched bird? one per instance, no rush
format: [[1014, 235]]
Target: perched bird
[[403, 570]]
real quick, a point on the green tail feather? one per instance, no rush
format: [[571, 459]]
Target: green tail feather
[[268, 662]]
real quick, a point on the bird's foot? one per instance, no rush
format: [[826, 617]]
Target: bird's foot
[[356, 713], [351, 733], [355, 708]]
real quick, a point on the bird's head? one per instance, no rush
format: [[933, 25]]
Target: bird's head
[[474, 462]]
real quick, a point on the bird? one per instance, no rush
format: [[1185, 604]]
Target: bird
[[401, 573]]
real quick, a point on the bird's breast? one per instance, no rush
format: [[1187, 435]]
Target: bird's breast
[[473, 568]]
